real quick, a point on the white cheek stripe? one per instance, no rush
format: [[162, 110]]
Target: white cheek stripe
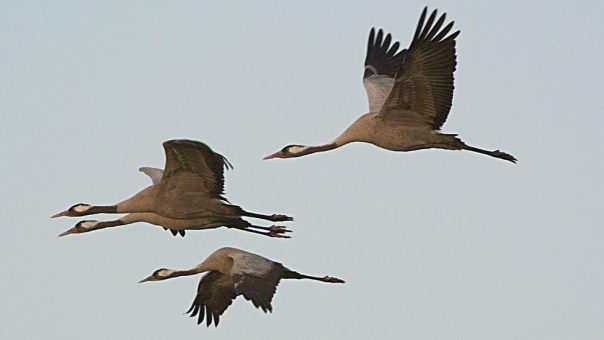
[[88, 224], [81, 208], [166, 273], [297, 149]]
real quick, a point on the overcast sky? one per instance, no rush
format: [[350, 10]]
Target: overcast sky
[[433, 244]]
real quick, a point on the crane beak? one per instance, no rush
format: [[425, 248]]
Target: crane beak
[[150, 278], [275, 155], [332, 279], [69, 232], [62, 213]]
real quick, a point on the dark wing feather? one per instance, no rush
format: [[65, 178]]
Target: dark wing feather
[[423, 88], [382, 58], [215, 294], [176, 232], [260, 289], [381, 64], [193, 166]]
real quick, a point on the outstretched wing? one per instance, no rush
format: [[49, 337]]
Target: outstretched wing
[[423, 87], [153, 173], [259, 290], [215, 294], [256, 278], [381, 64], [192, 166]]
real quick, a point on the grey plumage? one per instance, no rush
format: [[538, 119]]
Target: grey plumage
[[188, 195], [153, 173], [410, 94], [178, 226], [233, 272]]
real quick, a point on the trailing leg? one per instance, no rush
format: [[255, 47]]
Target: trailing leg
[[290, 274], [496, 153], [273, 217], [272, 231]]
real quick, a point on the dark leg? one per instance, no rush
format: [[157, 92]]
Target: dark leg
[[272, 231], [496, 153], [274, 228], [290, 274], [273, 217]]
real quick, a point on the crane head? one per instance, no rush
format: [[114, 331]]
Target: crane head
[[74, 211], [81, 227], [289, 151], [158, 275]]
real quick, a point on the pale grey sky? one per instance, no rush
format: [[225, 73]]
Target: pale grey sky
[[432, 244]]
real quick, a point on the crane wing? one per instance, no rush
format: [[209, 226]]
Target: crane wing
[[215, 294], [153, 173], [381, 64], [423, 87], [259, 290], [192, 166], [256, 278]]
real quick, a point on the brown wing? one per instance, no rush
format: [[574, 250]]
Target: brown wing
[[192, 166], [259, 289], [215, 294], [423, 88]]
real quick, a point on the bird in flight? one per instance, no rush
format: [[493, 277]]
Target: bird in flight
[[410, 93], [186, 195], [233, 272]]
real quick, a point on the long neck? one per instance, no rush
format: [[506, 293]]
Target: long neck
[[100, 209], [107, 224], [307, 150], [200, 268], [186, 272], [87, 226], [148, 217], [143, 201], [128, 219]]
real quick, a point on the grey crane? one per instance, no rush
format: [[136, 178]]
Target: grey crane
[[409, 92], [188, 195], [175, 226], [178, 226], [233, 272]]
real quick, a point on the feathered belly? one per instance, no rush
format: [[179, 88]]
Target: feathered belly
[[415, 139]]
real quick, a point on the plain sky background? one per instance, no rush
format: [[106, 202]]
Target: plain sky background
[[433, 244]]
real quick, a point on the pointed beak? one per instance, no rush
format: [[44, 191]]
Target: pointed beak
[[147, 279], [62, 213], [332, 279], [275, 155], [69, 232]]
